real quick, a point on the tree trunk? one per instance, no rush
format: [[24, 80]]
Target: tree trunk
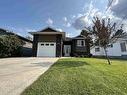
[[107, 56]]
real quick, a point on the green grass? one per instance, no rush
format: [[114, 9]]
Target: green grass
[[82, 76]]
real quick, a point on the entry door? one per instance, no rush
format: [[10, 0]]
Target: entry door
[[67, 50], [46, 49]]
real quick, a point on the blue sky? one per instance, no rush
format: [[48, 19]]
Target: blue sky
[[23, 16]]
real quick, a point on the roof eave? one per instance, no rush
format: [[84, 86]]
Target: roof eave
[[48, 33]]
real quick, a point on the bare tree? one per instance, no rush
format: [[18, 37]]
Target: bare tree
[[106, 33]]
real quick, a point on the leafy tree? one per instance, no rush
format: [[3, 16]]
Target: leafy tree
[[10, 45], [106, 33], [87, 35]]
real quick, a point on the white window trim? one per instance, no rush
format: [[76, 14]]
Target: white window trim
[[79, 43]]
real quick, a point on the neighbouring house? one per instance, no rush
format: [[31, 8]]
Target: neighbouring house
[[27, 46], [115, 50], [52, 43]]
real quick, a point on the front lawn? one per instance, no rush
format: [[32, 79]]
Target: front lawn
[[82, 76]]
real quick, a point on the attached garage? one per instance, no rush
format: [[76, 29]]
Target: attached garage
[[48, 43], [46, 49]]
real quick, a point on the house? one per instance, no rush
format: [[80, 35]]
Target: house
[[27, 46], [52, 43], [117, 49]]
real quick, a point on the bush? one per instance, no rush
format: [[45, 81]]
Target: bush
[[10, 46]]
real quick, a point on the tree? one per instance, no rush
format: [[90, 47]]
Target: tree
[[106, 33], [10, 45], [87, 35], [88, 39]]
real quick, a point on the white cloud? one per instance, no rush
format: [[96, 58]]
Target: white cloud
[[91, 10], [72, 17], [66, 22], [30, 30], [119, 8], [113, 3], [19, 34], [79, 15], [49, 22], [59, 29], [65, 19], [21, 31], [82, 22], [115, 13], [68, 34]]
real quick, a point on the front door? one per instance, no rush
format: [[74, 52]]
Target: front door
[[67, 50]]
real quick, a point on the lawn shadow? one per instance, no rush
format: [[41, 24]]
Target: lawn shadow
[[60, 64], [69, 64], [112, 58]]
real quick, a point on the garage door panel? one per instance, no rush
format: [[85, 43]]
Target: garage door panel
[[46, 49]]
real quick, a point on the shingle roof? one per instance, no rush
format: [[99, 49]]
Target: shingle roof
[[48, 29], [6, 32], [79, 37]]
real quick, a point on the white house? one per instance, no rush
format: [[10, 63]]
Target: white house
[[118, 49]]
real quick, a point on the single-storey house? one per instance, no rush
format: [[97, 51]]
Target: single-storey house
[[115, 50], [53, 43]]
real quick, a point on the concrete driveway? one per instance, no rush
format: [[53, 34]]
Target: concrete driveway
[[18, 73]]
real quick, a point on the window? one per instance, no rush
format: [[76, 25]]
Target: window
[[51, 44], [80, 42], [123, 47], [111, 45], [42, 44], [47, 44], [97, 49]]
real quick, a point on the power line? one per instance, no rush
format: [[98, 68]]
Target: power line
[[109, 4]]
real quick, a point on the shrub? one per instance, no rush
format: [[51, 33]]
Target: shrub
[[10, 45]]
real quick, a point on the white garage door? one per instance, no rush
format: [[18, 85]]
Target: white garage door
[[46, 49]]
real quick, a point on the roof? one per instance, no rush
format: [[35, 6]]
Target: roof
[[48, 31], [2, 30], [5, 32], [79, 37], [24, 39], [68, 39]]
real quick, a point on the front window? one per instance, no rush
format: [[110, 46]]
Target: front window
[[97, 49], [123, 47], [80, 42]]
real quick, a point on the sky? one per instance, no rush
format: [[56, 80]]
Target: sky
[[70, 16]]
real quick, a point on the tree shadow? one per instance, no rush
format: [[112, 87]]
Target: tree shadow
[[69, 64], [111, 58], [60, 64]]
